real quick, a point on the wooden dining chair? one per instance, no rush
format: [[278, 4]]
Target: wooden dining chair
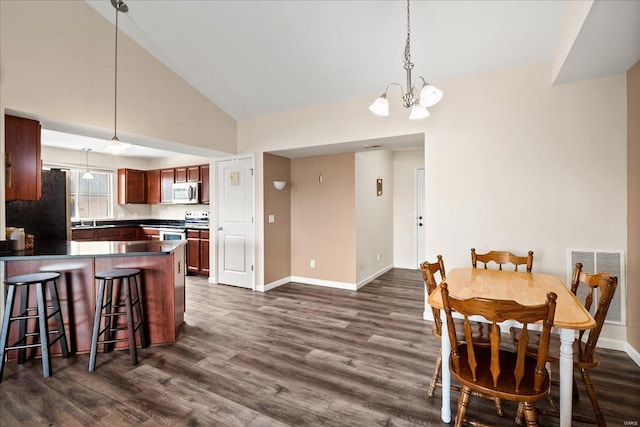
[[490, 370], [500, 258], [479, 329], [584, 352]]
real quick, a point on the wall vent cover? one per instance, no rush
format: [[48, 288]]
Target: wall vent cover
[[596, 261]]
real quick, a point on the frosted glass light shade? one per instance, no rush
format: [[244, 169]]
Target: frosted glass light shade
[[430, 95], [418, 112], [87, 175], [380, 106], [115, 146], [279, 185]]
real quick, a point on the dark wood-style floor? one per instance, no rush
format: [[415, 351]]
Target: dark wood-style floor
[[298, 355]]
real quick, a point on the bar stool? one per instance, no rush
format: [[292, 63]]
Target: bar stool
[[110, 309], [44, 313]]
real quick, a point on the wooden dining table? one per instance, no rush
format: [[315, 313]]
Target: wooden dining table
[[526, 289]]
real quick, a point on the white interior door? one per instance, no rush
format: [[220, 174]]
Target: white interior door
[[419, 186], [236, 233]]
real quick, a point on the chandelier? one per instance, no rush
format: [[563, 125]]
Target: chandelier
[[115, 146], [429, 94]]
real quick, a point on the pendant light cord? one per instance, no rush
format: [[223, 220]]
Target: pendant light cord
[[115, 94], [407, 48]]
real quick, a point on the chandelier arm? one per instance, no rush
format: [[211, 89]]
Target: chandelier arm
[[393, 84]]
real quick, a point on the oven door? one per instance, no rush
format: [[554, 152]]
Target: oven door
[[172, 235]]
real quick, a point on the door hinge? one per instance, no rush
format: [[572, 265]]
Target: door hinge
[[252, 268], [251, 169]]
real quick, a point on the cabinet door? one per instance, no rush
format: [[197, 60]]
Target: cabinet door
[[193, 174], [83, 235], [204, 252], [167, 178], [193, 251], [128, 233], [22, 148], [108, 234], [204, 187], [131, 186], [153, 186], [181, 174]]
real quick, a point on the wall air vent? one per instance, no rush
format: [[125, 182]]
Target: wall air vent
[[595, 261]]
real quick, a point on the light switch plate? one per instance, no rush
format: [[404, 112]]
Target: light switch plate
[[272, 219]]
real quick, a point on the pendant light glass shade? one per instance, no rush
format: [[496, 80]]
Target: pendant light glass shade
[[87, 174], [380, 106], [116, 146], [430, 96], [418, 112]]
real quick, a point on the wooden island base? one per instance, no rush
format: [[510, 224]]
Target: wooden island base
[[162, 289]]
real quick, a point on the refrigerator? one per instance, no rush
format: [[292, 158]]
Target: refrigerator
[[48, 218]]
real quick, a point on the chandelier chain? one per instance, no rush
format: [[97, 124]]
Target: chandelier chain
[[407, 48], [115, 88]]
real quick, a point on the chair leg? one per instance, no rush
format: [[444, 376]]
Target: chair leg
[[44, 331], [61, 334], [96, 325], [11, 291], [436, 375], [530, 414], [129, 313], [520, 413], [23, 324], [140, 314], [463, 402], [498, 403], [591, 392]]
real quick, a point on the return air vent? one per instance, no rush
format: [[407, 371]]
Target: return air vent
[[595, 262]]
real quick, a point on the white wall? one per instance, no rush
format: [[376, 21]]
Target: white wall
[[510, 161], [374, 214], [404, 223]]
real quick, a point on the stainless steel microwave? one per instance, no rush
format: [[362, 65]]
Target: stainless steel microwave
[[186, 192]]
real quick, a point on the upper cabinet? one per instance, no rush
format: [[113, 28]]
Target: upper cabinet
[[153, 186], [167, 178], [156, 186], [22, 159], [131, 186], [204, 187]]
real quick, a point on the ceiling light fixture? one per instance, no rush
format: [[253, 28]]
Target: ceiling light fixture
[[429, 94], [87, 174], [115, 146]]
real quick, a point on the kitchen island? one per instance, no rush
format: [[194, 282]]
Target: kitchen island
[[162, 264]]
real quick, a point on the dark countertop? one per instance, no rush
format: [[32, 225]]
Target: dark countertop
[[47, 249], [145, 223]]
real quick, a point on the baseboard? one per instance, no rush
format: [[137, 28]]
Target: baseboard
[[373, 276], [212, 280], [325, 283], [406, 266], [633, 353], [612, 344], [273, 285]]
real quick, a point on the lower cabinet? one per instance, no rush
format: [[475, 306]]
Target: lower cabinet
[[198, 251], [113, 234]]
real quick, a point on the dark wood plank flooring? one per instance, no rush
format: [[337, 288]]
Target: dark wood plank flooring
[[298, 355]]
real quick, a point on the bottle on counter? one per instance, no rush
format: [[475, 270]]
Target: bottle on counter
[[17, 239]]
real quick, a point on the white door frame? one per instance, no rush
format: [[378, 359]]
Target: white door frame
[[215, 213], [419, 209]]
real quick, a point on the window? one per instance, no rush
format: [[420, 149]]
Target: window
[[91, 198]]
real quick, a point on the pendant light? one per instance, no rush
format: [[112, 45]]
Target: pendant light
[[429, 94], [115, 146], [87, 174]]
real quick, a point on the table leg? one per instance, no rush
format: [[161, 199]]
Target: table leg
[[566, 376], [446, 374]]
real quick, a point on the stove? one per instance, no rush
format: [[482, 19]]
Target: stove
[[196, 220]]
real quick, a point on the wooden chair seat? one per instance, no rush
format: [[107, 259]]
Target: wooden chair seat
[[505, 388]]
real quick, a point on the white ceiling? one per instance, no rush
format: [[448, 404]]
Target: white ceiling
[[253, 58]]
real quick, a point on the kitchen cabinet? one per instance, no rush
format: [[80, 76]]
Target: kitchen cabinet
[[131, 186], [148, 234], [181, 174], [193, 174], [105, 234], [167, 178], [204, 187], [198, 251], [153, 186], [23, 164]]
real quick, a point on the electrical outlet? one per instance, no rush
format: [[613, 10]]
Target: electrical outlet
[[312, 263], [378, 257], [272, 219]]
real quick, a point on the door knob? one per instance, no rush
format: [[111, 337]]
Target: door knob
[[419, 224], [219, 228]]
